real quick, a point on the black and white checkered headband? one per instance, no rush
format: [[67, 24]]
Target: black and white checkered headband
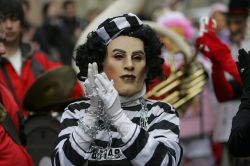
[[112, 27]]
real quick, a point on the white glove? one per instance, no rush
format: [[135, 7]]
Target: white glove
[[109, 96], [111, 100], [89, 86], [88, 117], [206, 24]]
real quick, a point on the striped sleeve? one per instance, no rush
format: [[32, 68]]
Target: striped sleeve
[[159, 145], [68, 152]]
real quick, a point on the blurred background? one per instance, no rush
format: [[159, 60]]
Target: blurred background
[[189, 7], [56, 26]]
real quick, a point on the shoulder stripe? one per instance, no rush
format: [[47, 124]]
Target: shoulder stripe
[[68, 123], [59, 139], [132, 108], [158, 156], [166, 107], [153, 117], [78, 106], [57, 161], [137, 146], [72, 155], [115, 143], [165, 125]]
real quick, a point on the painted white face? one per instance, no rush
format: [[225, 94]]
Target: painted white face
[[125, 63]]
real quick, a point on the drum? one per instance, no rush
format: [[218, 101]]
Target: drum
[[41, 131]]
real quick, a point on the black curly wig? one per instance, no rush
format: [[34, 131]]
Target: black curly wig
[[95, 50]]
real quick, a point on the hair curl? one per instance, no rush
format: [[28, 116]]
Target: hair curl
[[94, 50]]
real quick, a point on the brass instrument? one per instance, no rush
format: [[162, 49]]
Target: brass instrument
[[183, 84]]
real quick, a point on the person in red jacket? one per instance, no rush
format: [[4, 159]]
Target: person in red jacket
[[21, 64], [222, 61], [222, 55], [11, 152], [226, 79]]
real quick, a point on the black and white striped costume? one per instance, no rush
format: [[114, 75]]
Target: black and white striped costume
[[159, 145], [136, 140]]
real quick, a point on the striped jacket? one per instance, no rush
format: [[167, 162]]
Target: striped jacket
[[158, 145]]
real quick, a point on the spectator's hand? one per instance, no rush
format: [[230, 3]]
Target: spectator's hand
[[207, 25], [244, 68], [209, 44], [109, 96]]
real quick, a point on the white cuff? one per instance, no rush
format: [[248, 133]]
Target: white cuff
[[82, 139], [125, 127]]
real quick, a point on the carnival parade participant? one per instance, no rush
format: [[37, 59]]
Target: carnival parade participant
[[223, 56], [21, 64], [115, 125]]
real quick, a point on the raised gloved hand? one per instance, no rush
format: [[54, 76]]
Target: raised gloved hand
[[87, 122], [111, 100], [210, 45], [89, 85], [109, 96], [244, 68]]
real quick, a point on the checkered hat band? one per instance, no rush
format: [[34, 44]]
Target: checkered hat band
[[111, 28]]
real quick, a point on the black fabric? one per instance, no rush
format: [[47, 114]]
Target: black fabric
[[136, 147], [7, 78], [1, 100], [238, 143], [52, 37], [124, 162], [113, 26], [132, 21], [238, 8], [10, 128], [244, 68], [161, 152], [71, 154], [165, 124], [27, 52], [237, 89], [36, 67], [22, 134], [111, 29]]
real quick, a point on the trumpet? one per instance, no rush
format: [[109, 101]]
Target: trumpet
[[183, 84]]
